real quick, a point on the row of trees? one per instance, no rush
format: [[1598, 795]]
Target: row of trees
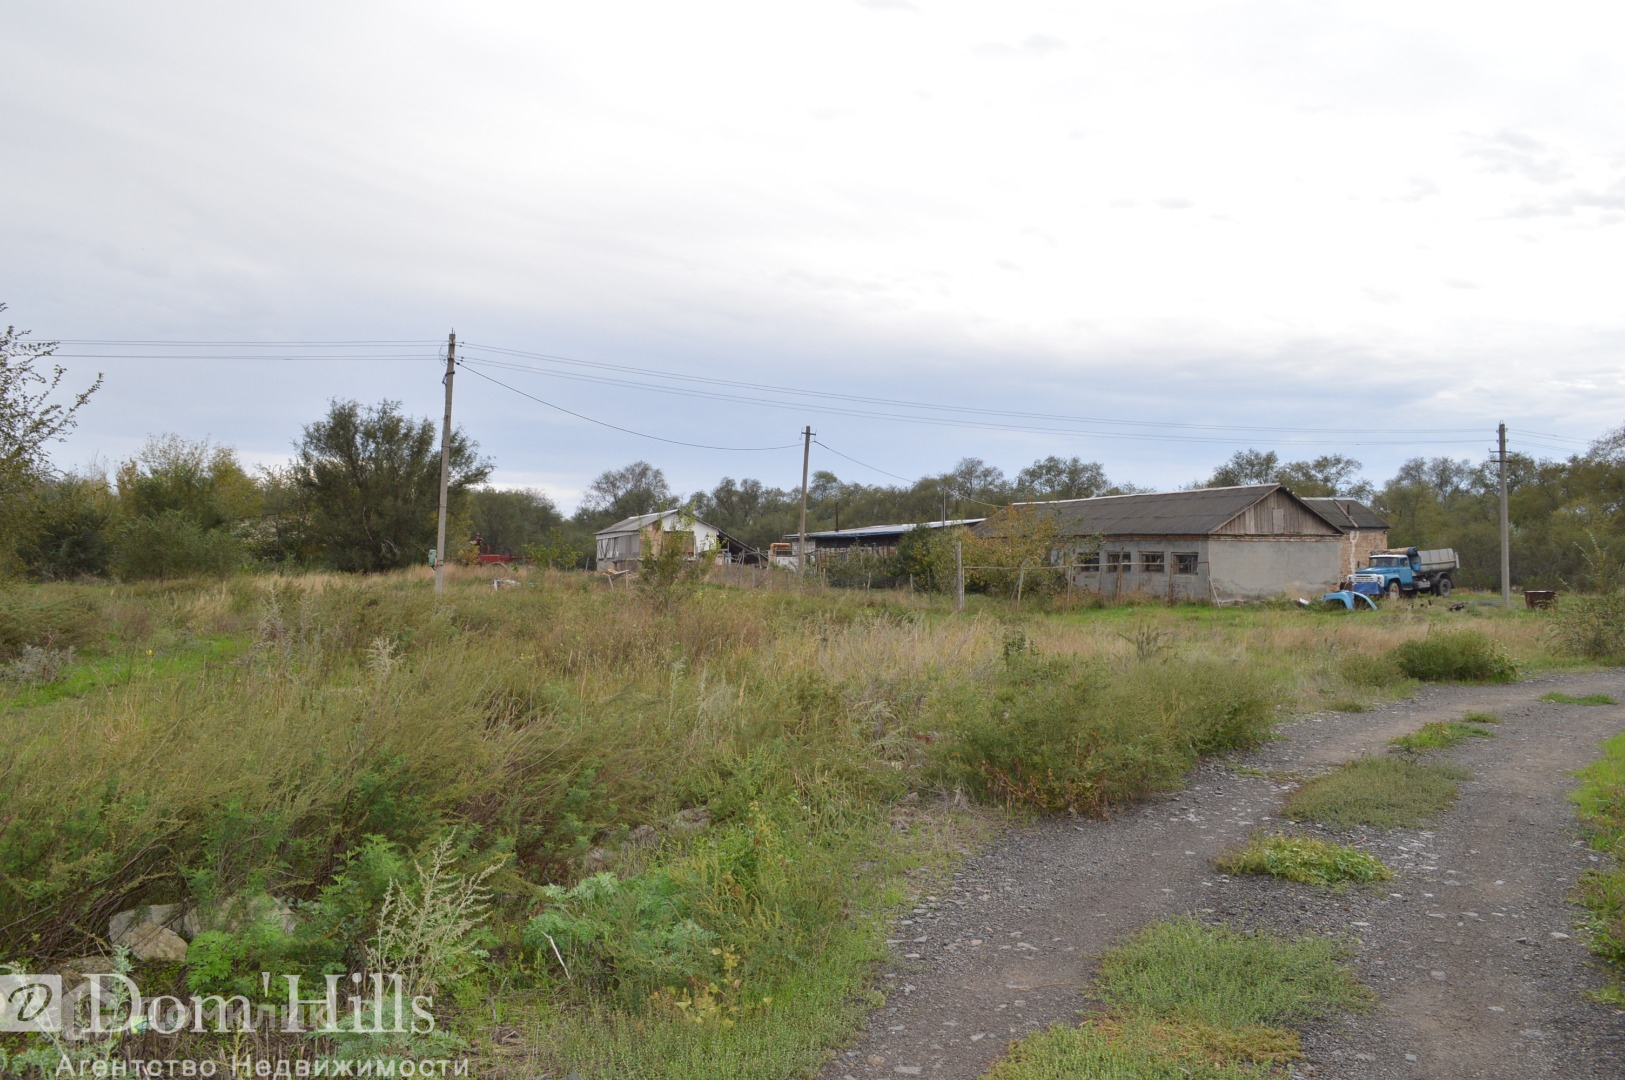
[[361, 494]]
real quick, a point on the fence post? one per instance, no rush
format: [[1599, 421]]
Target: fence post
[[959, 575]]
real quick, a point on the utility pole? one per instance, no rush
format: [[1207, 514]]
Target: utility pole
[[1506, 532], [806, 455], [445, 470]]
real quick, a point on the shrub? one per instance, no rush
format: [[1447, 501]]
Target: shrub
[[1062, 739], [1455, 656]]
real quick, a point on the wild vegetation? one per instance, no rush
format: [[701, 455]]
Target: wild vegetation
[[662, 826], [1306, 859], [1189, 1000], [1383, 791], [1601, 802]]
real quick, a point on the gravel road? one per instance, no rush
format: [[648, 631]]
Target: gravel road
[[1472, 948]]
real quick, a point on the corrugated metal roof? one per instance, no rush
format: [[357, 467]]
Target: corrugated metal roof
[[885, 530], [1163, 513], [640, 522], [1347, 514]]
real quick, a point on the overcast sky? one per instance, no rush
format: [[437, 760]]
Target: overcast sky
[[1404, 222]]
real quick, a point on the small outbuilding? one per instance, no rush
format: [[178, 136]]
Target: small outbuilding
[[1216, 544], [624, 544]]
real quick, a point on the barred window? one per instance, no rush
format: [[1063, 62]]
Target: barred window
[[1184, 562], [1119, 560], [1089, 562], [1153, 562]]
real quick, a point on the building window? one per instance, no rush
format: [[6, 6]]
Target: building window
[[1089, 562], [1184, 562], [1152, 562], [1119, 560]]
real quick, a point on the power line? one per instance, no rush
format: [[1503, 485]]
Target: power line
[[934, 421], [903, 403], [960, 495], [98, 343], [617, 427]]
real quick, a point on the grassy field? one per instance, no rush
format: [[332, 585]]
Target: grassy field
[[694, 808]]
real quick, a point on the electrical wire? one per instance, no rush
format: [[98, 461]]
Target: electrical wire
[[961, 496], [903, 403], [933, 421], [629, 431]]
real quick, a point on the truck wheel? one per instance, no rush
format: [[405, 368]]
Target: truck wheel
[[1443, 586], [1393, 590]]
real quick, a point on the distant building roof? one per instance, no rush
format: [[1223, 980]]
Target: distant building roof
[[636, 523], [884, 530], [1347, 514], [1164, 513]]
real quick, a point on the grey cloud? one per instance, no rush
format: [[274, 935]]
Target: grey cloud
[[1513, 152], [1569, 203]]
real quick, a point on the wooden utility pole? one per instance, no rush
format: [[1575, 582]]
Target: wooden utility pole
[[1506, 532], [806, 455], [445, 470]]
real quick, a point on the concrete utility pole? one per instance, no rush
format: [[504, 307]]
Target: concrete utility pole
[[445, 470], [806, 455], [1506, 532]]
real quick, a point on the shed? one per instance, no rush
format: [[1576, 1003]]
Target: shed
[[622, 545], [1363, 529], [876, 540], [1218, 544]]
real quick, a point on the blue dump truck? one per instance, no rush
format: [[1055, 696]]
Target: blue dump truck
[[1406, 572]]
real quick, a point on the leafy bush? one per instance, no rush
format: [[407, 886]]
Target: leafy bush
[[1366, 669], [1063, 739], [172, 544], [1593, 625], [1455, 656]]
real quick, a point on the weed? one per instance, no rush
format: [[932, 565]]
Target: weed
[[1348, 705], [1219, 976], [1437, 735], [1600, 800], [1190, 1000], [37, 666], [1303, 859], [1583, 699], [1481, 718], [1387, 792], [429, 932], [1455, 656]]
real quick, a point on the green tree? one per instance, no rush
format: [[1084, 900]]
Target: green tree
[[180, 507], [1061, 478], [509, 519], [31, 418], [370, 477], [638, 488]]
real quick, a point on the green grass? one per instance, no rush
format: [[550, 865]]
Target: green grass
[[1348, 705], [1481, 718], [1437, 736], [1600, 800], [88, 675], [1386, 792], [1192, 1000], [1304, 859], [1571, 699]]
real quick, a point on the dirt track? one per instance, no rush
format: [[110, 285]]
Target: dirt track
[[1473, 948]]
